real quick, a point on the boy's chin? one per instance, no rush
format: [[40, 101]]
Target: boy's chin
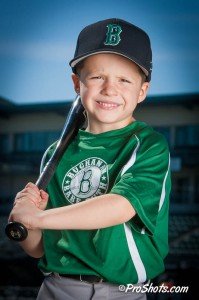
[[112, 123]]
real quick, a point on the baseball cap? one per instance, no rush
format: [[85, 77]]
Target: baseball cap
[[115, 36]]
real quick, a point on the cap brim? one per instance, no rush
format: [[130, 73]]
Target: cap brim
[[75, 61]]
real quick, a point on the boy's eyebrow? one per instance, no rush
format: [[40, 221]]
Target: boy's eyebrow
[[124, 76], [87, 73], [101, 69]]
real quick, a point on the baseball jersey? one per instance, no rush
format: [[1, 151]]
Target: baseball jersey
[[132, 162]]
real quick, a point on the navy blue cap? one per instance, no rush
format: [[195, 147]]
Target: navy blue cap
[[115, 36]]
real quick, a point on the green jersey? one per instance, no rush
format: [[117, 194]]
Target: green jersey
[[132, 162]]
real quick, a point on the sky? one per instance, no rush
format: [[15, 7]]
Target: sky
[[38, 39]]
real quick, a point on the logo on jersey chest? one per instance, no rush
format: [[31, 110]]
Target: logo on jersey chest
[[87, 179]]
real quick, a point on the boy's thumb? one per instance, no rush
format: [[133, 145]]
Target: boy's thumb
[[44, 195]]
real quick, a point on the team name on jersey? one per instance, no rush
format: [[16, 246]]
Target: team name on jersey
[[89, 178]]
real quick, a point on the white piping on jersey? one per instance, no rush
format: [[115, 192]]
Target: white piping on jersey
[[162, 197], [132, 159], [135, 256], [139, 266]]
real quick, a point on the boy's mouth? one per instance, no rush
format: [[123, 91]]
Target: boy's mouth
[[107, 105]]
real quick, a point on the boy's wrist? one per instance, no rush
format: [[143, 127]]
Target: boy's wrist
[[39, 221]]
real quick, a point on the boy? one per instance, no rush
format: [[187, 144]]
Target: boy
[[106, 221]]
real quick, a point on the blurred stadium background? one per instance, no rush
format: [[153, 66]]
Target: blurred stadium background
[[37, 39], [26, 130]]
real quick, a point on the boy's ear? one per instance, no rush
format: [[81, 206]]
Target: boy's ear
[[143, 91], [76, 83]]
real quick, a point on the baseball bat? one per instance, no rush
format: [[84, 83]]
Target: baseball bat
[[75, 119]]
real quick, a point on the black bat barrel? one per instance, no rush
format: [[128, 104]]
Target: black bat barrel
[[75, 119]]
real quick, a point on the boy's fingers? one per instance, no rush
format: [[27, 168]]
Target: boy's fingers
[[32, 192], [29, 184], [29, 193], [36, 202], [44, 195], [32, 186]]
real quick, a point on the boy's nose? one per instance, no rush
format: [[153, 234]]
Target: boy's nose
[[109, 89]]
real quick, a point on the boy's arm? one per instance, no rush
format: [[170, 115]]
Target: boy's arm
[[33, 245], [99, 212]]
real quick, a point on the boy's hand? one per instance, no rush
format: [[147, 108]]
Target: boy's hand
[[28, 205], [33, 194], [26, 212]]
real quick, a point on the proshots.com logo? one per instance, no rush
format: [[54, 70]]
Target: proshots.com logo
[[150, 288]]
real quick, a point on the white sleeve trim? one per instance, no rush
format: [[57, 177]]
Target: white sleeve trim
[[132, 159], [135, 256], [163, 193]]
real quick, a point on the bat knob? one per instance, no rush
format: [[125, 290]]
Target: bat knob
[[16, 231]]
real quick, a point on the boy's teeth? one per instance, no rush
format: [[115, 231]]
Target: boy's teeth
[[104, 104]]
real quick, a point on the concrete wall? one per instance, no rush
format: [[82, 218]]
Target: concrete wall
[[168, 115], [32, 122]]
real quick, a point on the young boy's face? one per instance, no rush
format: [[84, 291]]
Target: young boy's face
[[110, 87]]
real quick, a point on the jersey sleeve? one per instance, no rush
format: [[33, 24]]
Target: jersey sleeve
[[145, 181]]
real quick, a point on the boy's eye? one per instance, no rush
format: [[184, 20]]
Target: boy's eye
[[125, 80], [96, 77]]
